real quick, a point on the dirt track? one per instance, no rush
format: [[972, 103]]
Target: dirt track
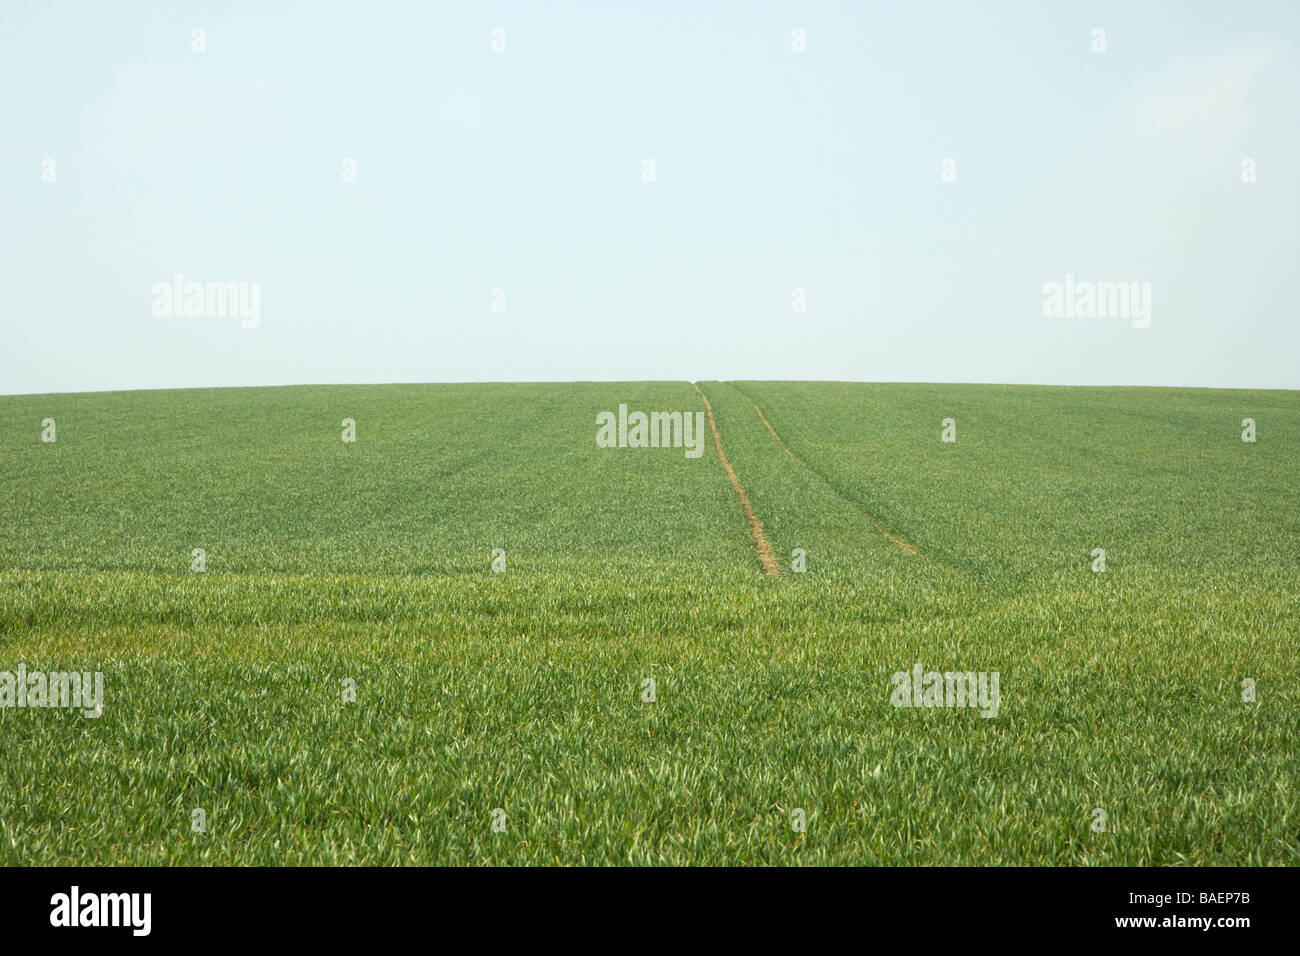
[[766, 557]]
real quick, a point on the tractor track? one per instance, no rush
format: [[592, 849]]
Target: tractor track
[[909, 548], [766, 556]]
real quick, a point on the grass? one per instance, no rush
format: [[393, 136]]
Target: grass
[[370, 562]]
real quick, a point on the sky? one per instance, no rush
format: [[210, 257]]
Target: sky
[[456, 191]]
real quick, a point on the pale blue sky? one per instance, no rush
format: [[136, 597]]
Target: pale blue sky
[[522, 170]]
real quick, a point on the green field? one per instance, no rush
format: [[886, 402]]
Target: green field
[[329, 562]]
